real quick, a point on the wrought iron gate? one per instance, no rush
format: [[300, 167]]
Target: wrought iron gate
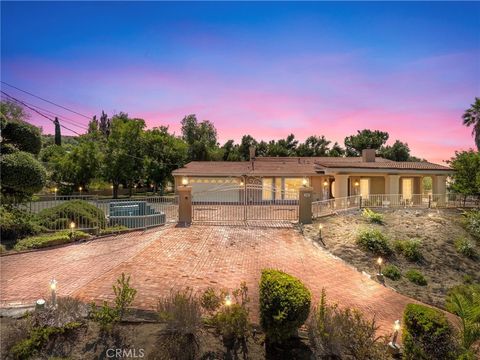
[[245, 202]]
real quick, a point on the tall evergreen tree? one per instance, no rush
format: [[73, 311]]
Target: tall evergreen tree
[[471, 117], [58, 133]]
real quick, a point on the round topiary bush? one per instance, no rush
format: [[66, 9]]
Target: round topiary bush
[[82, 213], [24, 136], [22, 175], [284, 304]]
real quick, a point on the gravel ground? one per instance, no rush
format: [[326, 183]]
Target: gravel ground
[[442, 265]]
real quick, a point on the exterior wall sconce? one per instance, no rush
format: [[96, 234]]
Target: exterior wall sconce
[[184, 181], [304, 182], [325, 183]]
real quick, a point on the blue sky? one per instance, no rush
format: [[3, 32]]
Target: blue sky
[[267, 69]]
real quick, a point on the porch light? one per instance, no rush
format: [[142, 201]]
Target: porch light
[[185, 181], [241, 183], [304, 181], [325, 183], [228, 300], [357, 184]]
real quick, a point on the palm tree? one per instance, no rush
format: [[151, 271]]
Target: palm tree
[[471, 117]]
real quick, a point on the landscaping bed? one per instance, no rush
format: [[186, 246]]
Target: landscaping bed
[[420, 241]]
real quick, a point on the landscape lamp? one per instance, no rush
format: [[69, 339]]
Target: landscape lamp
[[379, 263], [393, 344], [228, 300], [53, 288]]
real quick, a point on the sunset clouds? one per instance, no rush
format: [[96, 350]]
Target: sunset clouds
[[262, 69]]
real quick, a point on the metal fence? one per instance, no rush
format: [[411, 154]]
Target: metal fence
[[330, 206], [57, 213]]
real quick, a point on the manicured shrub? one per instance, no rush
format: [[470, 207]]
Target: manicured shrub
[[24, 136], [22, 175], [84, 214], [416, 277], [284, 304], [16, 223], [46, 240], [472, 222], [392, 272], [465, 247], [344, 334], [427, 335], [372, 216], [113, 230], [411, 249], [375, 241]]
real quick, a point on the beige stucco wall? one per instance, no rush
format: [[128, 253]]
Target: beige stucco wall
[[377, 185]]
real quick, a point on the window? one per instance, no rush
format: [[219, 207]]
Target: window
[[278, 188], [365, 187], [291, 187], [267, 188], [407, 188]]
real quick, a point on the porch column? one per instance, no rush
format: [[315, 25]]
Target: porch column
[[341, 186], [392, 188], [305, 205], [439, 189], [184, 204]]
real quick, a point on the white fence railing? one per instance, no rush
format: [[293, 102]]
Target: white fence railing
[[330, 206], [56, 213]]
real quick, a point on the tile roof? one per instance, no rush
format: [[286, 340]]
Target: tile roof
[[296, 166]]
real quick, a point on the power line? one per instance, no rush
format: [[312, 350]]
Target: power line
[[63, 118], [50, 102], [38, 112]]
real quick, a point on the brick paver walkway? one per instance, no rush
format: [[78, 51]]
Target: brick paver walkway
[[197, 257]]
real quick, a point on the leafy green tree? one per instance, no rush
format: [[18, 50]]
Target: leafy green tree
[[164, 153], [314, 146], [466, 178], [399, 151], [471, 117], [336, 150], [22, 175], [244, 148], [201, 138], [365, 139], [124, 151], [283, 147], [105, 125], [231, 151], [16, 131]]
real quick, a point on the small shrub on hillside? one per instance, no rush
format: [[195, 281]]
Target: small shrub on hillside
[[181, 312], [344, 334], [464, 301], [416, 277], [106, 315], [375, 241], [392, 272], [84, 215], [472, 222], [427, 334], [16, 224], [465, 247], [372, 216], [211, 300], [284, 304], [411, 249], [46, 240], [113, 230]]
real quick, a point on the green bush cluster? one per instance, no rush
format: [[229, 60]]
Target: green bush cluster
[[416, 277], [411, 249], [372, 216], [284, 304], [16, 223], [24, 136], [113, 230], [81, 212], [472, 222], [465, 247], [427, 334], [392, 272], [375, 241], [46, 240]]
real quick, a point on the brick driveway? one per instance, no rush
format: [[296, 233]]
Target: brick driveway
[[197, 257]]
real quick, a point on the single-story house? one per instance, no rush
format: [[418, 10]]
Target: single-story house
[[330, 177]]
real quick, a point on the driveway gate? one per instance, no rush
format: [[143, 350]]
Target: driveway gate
[[245, 202]]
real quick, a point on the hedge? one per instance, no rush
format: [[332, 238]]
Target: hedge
[[84, 214], [284, 304], [16, 223], [46, 240], [427, 335], [24, 136]]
